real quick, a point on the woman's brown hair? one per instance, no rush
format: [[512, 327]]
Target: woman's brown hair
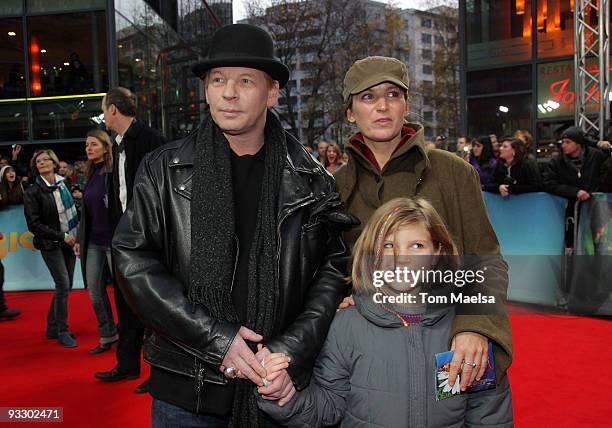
[[102, 137]]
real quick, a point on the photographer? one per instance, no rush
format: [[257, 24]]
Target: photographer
[[514, 173]]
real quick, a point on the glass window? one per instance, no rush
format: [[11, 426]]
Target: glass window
[[426, 23], [548, 134], [13, 121], [499, 115], [509, 79], [64, 118], [59, 67], [426, 38], [11, 7], [426, 69], [555, 24], [426, 54], [498, 31], [428, 116], [59, 5], [12, 59], [439, 41]]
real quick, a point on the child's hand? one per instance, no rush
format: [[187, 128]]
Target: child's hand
[[274, 364]]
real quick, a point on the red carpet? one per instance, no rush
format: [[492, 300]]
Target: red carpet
[[559, 378]]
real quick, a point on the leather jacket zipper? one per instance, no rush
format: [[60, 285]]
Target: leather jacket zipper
[[278, 229], [199, 383], [235, 261]]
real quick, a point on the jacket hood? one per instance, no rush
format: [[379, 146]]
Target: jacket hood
[[377, 315]]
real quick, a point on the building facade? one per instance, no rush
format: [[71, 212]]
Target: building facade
[[517, 68], [59, 57], [320, 39], [429, 33]]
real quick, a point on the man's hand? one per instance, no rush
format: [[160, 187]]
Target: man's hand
[[503, 190], [346, 302], [77, 250], [582, 195], [604, 145], [240, 356], [469, 348]]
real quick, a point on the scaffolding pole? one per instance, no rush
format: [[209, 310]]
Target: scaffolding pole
[[592, 65]]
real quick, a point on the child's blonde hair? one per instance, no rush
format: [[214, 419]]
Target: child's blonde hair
[[385, 221]]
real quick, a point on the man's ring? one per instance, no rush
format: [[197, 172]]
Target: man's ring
[[230, 373], [473, 365]]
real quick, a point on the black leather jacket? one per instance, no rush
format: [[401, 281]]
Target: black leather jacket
[[152, 252], [42, 218]]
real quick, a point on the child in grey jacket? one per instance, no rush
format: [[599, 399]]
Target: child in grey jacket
[[376, 368]]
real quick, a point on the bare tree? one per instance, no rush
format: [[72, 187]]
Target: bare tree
[[319, 40], [445, 66]]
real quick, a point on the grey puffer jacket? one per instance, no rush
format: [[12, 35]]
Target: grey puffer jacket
[[374, 372]]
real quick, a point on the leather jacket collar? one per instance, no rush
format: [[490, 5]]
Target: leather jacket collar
[[295, 190]]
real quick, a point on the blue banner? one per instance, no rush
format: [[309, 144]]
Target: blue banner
[[530, 228], [24, 268]]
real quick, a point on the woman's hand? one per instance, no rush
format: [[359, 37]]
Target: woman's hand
[[69, 240], [77, 250], [346, 302], [471, 356], [503, 190]]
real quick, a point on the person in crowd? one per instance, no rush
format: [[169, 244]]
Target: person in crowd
[[3, 161], [527, 139], [134, 139], [64, 169], [514, 173], [576, 173], [379, 353], [52, 218], [495, 145], [430, 145], [462, 149], [387, 159], [233, 239], [345, 157], [95, 235], [321, 151], [482, 159], [11, 188], [80, 174], [21, 168], [333, 158], [6, 313]]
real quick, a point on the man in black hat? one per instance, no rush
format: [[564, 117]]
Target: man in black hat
[[232, 247]]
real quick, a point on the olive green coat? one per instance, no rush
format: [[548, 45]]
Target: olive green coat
[[452, 186]]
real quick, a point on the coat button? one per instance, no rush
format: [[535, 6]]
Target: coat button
[[182, 187], [175, 160]]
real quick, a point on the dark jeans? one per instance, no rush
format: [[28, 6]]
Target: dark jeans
[[97, 264], [2, 300], [166, 415], [60, 262]]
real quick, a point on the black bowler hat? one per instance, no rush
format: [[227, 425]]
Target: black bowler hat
[[243, 45]]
